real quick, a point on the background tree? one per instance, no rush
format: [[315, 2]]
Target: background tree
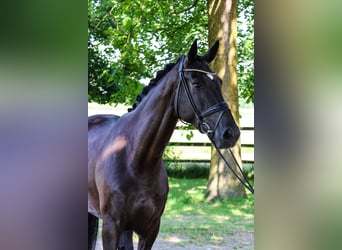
[[223, 26]]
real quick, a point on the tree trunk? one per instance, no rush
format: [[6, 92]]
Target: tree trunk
[[223, 27]]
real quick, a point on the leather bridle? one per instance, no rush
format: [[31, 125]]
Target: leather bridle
[[218, 107], [204, 127]]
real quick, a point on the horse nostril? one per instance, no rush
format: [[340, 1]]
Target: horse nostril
[[228, 133], [231, 134]]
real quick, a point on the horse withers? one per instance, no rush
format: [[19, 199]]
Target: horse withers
[[127, 180]]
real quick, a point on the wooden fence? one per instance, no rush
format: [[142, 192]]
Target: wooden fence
[[198, 148]]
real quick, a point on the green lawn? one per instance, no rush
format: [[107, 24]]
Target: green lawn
[[188, 215]]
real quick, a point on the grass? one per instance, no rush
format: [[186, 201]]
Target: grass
[[187, 215]]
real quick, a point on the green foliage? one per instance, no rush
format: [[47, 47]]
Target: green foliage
[[188, 131], [188, 171], [129, 40], [248, 170], [246, 49], [170, 155], [177, 169]]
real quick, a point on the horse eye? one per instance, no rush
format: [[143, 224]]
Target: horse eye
[[197, 85]]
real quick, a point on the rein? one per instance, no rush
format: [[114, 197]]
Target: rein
[[203, 126], [245, 182]]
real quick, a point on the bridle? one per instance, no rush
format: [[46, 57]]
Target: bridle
[[204, 127], [222, 107]]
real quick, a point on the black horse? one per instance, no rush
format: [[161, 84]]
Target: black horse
[[127, 181]]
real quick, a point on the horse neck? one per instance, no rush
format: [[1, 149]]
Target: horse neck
[[154, 121]]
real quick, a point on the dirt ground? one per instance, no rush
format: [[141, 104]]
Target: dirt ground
[[239, 241]]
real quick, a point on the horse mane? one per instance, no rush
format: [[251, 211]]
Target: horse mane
[[153, 82]]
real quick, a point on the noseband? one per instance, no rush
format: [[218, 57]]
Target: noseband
[[218, 107]]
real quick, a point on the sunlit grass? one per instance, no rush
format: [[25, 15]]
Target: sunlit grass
[[189, 215]]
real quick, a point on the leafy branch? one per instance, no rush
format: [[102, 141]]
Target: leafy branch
[[186, 9]]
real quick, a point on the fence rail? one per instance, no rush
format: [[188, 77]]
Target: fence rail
[[198, 148]]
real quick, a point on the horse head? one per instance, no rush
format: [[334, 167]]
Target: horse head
[[199, 99]]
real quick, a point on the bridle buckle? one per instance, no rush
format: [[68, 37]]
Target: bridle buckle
[[204, 128]]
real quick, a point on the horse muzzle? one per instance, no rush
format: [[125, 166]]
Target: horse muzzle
[[227, 138]]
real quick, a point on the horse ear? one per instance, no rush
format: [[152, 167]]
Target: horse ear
[[210, 55], [193, 51]]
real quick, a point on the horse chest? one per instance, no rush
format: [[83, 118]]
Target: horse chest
[[145, 202], [145, 206], [142, 200]]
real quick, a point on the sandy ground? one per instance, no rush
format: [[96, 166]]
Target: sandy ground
[[240, 240]]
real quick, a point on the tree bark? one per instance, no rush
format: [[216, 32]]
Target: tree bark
[[223, 27]]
